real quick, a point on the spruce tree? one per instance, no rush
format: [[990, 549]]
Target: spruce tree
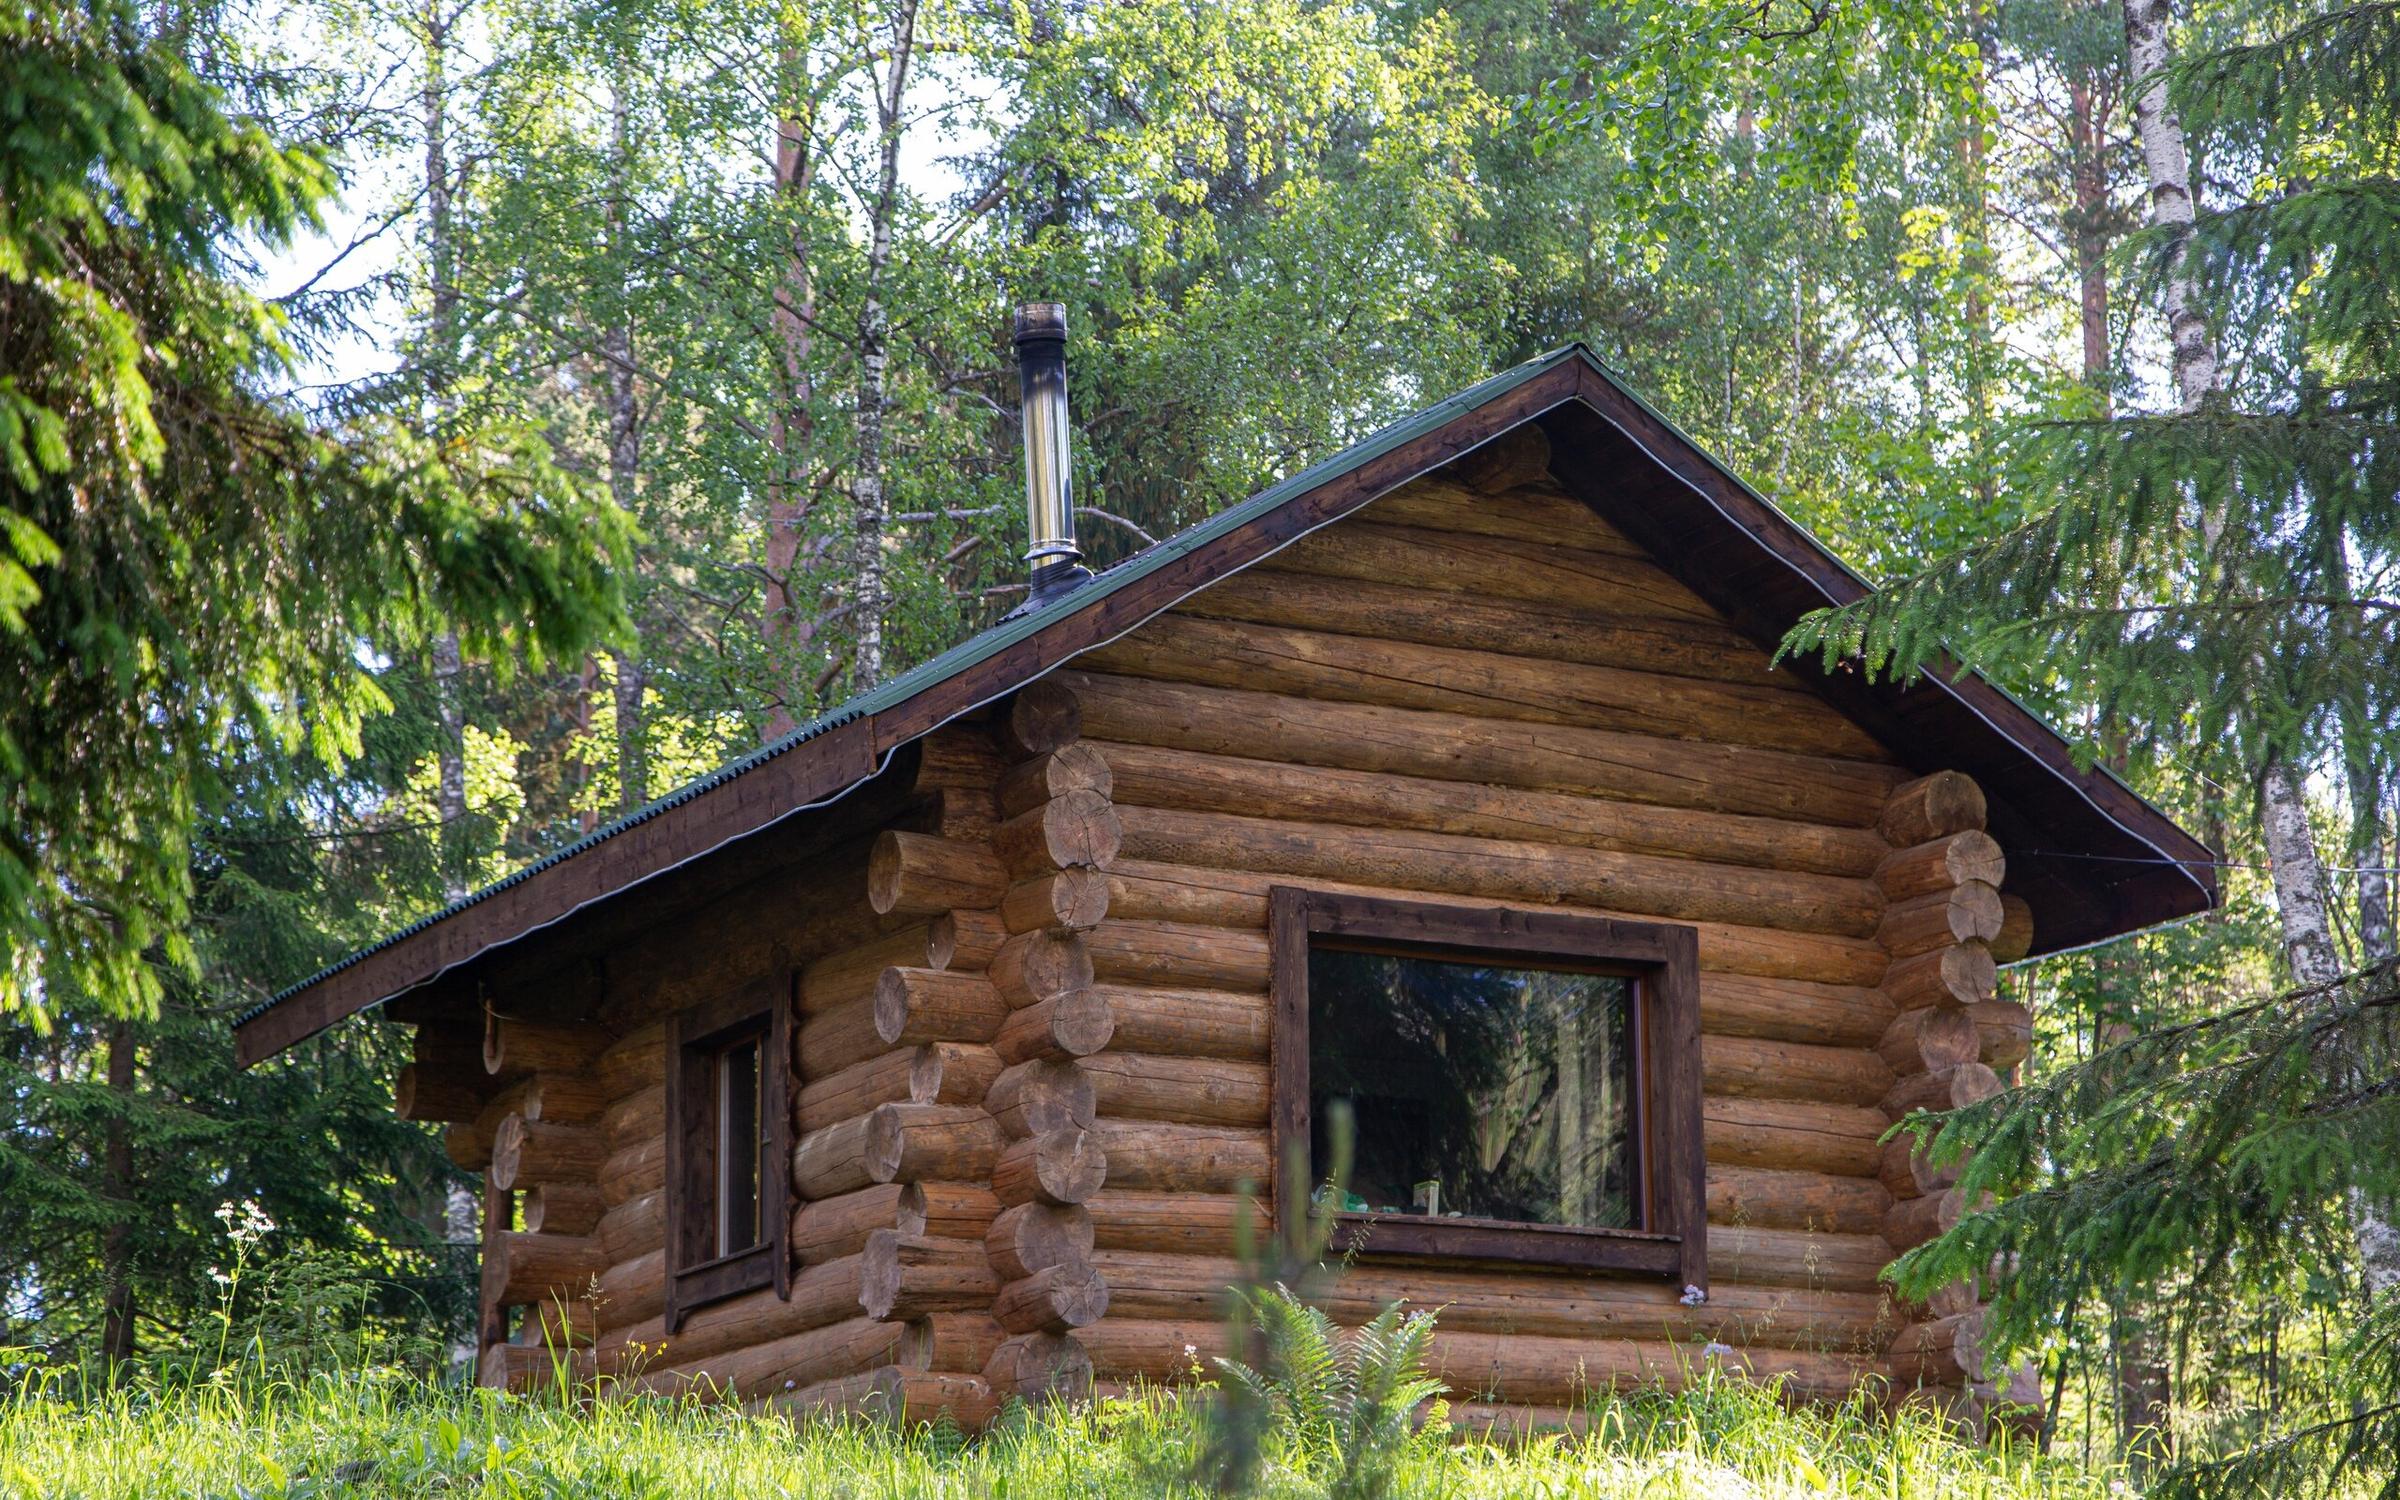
[[196, 562], [2218, 579]]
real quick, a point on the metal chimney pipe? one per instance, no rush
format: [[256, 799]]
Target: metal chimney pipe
[[1055, 560]]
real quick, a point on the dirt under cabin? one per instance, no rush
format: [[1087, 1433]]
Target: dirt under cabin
[[935, 1052]]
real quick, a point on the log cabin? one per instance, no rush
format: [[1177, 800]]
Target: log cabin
[[942, 1050]]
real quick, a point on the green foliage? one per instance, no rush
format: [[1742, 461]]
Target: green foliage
[[214, 567], [376, 1432], [1344, 1401], [2188, 1164], [2223, 574]]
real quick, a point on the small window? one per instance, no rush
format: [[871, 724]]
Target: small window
[[727, 1198], [1521, 1086], [741, 1115]]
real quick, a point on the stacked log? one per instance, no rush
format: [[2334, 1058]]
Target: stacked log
[[1332, 722], [1944, 913], [889, 1001], [543, 1136], [1059, 832]]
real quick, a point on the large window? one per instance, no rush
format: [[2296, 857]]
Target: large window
[[1519, 1086], [727, 1174]]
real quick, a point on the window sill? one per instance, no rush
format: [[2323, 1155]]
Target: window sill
[[1415, 1237], [729, 1276]]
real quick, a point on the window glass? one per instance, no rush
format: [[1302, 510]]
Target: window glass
[[1478, 1089], [740, 1117]]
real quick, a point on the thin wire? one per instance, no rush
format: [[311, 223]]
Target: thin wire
[[2198, 864]]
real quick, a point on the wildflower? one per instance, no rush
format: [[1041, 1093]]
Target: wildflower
[[1693, 1296]]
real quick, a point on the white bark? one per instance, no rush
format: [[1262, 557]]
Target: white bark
[[2299, 877], [450, 764], [872, 509], [792, 429], [2171, 205], [624, 451], [2301, 899]]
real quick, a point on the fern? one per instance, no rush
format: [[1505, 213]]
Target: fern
[[1343, 1404]]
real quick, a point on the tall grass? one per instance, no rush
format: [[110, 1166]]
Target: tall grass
[[255, 1436]]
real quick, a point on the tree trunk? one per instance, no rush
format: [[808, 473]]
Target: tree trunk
[[869, 598], [116, 1244], [2171, 205], [624, 455], [2300, 892], [2088, 148], [1978, 260], [450, 793], [791, 429], [2373, 854]]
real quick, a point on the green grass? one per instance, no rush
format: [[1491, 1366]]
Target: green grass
[[388, 1434]]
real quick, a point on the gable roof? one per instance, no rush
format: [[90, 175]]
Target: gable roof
[[2092, 858]]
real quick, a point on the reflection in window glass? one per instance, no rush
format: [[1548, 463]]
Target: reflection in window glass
[[1478, 1090], [741, 1118]]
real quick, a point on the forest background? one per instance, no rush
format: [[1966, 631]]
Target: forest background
[[631, 378]]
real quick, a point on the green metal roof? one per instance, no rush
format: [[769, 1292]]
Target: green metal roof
[[988, 643]]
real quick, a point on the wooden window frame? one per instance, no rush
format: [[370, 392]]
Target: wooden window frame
[[696, 1276], [1663, 959]]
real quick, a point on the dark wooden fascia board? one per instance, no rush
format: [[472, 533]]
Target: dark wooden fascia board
[[851, 753], [1113, 614], [1762, 571], [810, 774]]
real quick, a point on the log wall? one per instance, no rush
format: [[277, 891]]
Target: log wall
[[1032, 1070]]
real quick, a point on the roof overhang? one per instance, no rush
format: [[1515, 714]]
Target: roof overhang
[[2092, 858]]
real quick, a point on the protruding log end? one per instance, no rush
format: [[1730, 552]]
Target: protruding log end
[[1043, 716], [915, 1006], [2003, 1032], [1945, 1351], [1939, 919], [1069, 768], [422, 1093], [1038, 1367], [1972, 855], [1948, 1089], [1033, 966], [1078, 831], [2016, 929], [1962, 974], [1056, 1167], [1054, 1299], [564, 1208], [512, 1049], [1933, 807], [1033, 1237], [1044, 1094], [1929, 1039], [910, 1276], [921, 874], [1075, 1024], [1913, 1221], [1062, 901]]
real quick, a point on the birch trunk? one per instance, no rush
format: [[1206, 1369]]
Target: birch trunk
[[624, 450], [450, 770], [872, 510], [791, 430], [2301, 897], [2169, 166]]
